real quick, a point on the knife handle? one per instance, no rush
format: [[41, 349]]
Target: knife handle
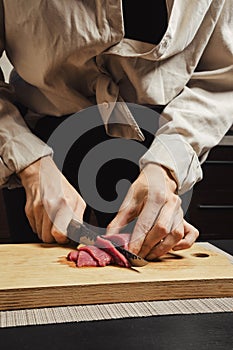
[[77, 229], [73, 230]]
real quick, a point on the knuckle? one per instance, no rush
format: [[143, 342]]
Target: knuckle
[[28, 210], [56, 230], [160, 197], [130, 211], [176, 200], [162, 228], [179, 200], [62, 201], [57, 234], [178, 235], [49, 203], [38, 205]]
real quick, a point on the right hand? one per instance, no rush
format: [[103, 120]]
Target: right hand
[[160, 227], [51, 201]]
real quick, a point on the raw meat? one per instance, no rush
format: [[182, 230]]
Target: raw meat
[[73, 255], [103, 252], [102, 257], [85, 259], [107, 245], [120, 239]]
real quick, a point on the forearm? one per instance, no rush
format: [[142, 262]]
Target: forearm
[[18, 146], [197, 119], [193, 123]]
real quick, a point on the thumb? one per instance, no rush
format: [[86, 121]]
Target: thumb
[[60, 223], [62, 219], [126, 213], [117, 223]]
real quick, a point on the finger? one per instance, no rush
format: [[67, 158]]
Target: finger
[[38, 216], [122, 219], [116, 225], [60, 224], [190, 236], [169, 218], [63, 218], [46, 235], [30, 216], [58, 230], [166, 244], [79, 209], [143, 225], [158, 231], [127, 212]]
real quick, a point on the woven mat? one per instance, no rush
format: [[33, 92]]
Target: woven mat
[[81, 313]]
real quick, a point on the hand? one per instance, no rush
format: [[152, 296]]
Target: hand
[[160, 226], [51, 200]]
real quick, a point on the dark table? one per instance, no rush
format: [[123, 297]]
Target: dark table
[[180, 332]]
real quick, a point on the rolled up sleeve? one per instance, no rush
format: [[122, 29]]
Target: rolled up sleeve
[[17, 153], [18, 146], [196, 121], [198, 118], [174, 153]]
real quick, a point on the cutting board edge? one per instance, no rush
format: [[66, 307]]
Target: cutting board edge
[[27, 298]]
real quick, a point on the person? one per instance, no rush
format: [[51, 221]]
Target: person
[[70, 55]]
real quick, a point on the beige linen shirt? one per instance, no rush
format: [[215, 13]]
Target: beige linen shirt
[[72, 54]]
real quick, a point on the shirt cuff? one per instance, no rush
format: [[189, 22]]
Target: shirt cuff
[[172, 152], [16, 154]]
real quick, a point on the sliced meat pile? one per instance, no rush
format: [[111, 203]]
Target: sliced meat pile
[[103, 252]]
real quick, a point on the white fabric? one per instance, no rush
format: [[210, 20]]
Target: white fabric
[[65, 52]]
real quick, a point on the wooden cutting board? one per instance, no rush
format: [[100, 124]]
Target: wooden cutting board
[[38, 275]]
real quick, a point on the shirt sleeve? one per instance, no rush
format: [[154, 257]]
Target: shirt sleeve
[[19, 147], [198, 118]]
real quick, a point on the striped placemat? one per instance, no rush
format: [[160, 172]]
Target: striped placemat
[[82, 313]]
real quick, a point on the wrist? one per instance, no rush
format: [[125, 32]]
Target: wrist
[[171, 179], [32, 169], [153, 169]]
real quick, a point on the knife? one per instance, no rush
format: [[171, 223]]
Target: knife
[[81, 233]]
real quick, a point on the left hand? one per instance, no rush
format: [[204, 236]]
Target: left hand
[[160, 226], [51, 201]]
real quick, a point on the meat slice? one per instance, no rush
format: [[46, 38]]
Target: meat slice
[[119, 239], [101, 256], [85, 259], [103, 253], [107, 246], [73, 255]]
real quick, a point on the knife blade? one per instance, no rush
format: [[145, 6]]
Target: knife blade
[[81, 233]]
